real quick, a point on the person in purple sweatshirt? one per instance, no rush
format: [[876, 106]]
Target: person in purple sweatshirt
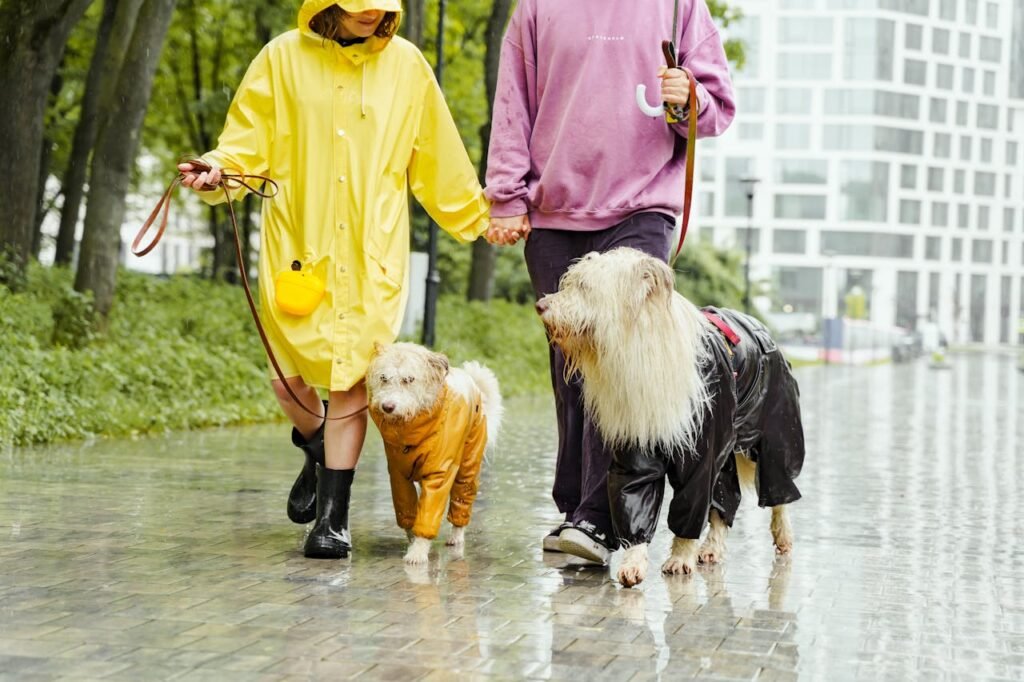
[[575, 165]]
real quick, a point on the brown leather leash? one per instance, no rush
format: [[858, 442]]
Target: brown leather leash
[[229, 181], [671, 60]]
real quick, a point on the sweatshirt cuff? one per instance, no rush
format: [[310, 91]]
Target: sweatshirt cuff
[[509, 209]]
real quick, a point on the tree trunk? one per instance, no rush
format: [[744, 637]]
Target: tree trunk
[[481, 269], [116, 146], [35, 33], [112, 38], [413, 21]]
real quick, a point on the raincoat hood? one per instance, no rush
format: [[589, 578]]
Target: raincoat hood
[[310, 8]]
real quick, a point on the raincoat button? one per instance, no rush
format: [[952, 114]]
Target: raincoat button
[[341, 269], [341, 133], [341, 316], [342, 179], [341, 226]]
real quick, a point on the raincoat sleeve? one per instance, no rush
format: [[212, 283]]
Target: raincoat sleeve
[[244, 145], [441, 176], [515, 101], [701, 51]]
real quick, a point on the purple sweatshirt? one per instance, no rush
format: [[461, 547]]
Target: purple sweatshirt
[[569, 144]]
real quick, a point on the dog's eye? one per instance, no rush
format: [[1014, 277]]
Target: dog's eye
[[383, 379], [408, 380]]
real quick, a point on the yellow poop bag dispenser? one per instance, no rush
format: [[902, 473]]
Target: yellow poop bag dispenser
[[298, 291]]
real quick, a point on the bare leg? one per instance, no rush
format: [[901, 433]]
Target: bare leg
[[305, 423], [343, 438]]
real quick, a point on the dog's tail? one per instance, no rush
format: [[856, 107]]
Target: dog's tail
[[493, 407]]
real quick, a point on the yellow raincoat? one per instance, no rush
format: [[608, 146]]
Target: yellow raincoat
[[442, 450], [344, 131]]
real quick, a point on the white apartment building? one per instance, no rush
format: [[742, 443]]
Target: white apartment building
[[888, 140]]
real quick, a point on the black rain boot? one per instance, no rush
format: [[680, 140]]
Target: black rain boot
[[329, 538], [302, 498]]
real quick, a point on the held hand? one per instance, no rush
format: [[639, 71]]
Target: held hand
[[198, 181], [675, 86], [508, 231]]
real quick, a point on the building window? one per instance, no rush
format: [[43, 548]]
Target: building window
[[940, 41], [981, 251], [868, 49], [978, 301], [912, 36], [877, 138], [989, 86], [967, 79], [792, 136], [941, 145], [914, 71], [880, 102], [793, 101], [989, 49], [984, 183], [983, 215], [750, 100], [937, 110], [992, 15], [965, 147], [947, 10], [864, 190], [908, 176], [799, 288], [1008, 215], [876, 244], [801, 171], [959, 181], [749, 31], [944, 76], [957, 254], [910, 212], [961, 113], [743, 233], [985, 152], [908, 6], [707, 203], [971, 12], [735, 190], [933, 248], [804, 67], [940, 214], [936, 179], [965, 45], [988, 116], [1011, 153], [800, 206], [963, 213], [806, 30], [789, 241], [751, 131]]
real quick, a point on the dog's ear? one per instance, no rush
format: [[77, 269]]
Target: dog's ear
[[439, 363], [656, 277]]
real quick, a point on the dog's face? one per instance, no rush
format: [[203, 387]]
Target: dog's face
[[600, 295], [404, 380]]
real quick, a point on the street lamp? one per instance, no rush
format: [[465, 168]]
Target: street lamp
[[749, 183], [433, 276]]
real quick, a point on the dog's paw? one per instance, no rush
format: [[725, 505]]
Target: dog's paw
[[633, 569], [782, 532], [682, 559], [457, 537], [709, 555], [419, 552], [783, 543]]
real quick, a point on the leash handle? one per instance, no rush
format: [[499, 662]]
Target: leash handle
[[669, 50], [230, 180]]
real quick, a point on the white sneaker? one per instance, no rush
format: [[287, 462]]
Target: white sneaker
[[551, 543], [585, 541]]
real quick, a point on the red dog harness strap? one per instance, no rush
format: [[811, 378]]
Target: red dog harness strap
[[726, 330]]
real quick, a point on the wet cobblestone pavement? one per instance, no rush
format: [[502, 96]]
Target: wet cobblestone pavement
[[172, 558]]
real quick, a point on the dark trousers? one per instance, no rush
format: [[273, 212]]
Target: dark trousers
[[581, 470]]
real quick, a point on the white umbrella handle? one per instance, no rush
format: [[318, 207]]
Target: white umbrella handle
[[641, 101]]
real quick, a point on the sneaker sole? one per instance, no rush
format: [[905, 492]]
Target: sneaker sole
[[552, 544], [581, 547]]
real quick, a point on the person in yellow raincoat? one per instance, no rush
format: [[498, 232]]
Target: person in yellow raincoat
[[344, 116]]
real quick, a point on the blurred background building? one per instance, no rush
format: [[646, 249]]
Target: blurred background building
[[882, 142]]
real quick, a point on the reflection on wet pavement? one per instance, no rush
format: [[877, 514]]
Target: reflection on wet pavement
[[172, 557]]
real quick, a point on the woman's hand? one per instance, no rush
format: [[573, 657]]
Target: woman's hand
[[198, 181], [508, 231], [675, 86]]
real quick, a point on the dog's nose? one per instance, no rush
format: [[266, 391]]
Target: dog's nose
[[542, 306], [388, 407]]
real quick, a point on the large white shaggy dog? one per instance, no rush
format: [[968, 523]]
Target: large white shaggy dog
[[436, 422], [702, 397]]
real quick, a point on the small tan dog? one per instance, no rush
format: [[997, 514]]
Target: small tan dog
[[436, 422]]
